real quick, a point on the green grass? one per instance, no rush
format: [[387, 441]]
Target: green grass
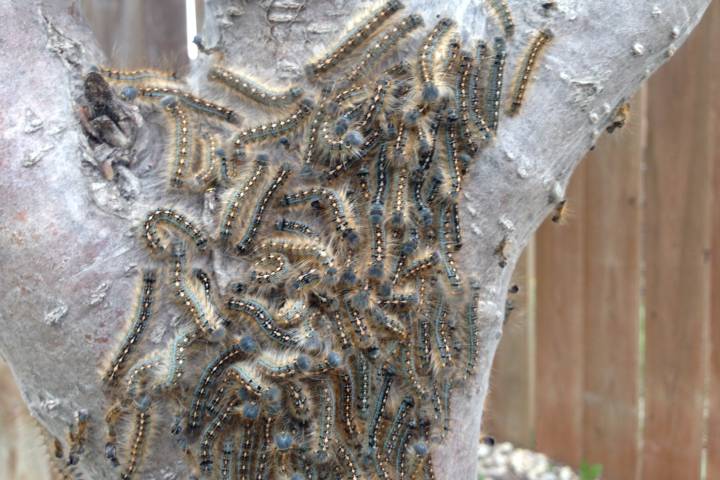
[[590, 471]]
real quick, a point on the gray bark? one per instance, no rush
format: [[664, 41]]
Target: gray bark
[[69, 235]]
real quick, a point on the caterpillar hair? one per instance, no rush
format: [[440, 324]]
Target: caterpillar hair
[[355, 37]]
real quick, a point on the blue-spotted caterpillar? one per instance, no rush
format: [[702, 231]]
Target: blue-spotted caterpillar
[[324, 324]]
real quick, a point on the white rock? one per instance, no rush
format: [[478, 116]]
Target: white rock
[[566, 473], [484, 450], [501, 458], [496, 472], [521, 461]]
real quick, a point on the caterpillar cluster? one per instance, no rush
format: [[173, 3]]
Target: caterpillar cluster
[[337, 352]]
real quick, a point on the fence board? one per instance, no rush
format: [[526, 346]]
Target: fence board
[[713, 470], [559, 331], [509, 405], [677, 236], [22, 452], [612, 302]]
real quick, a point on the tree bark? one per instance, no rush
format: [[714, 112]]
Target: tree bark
[[70, 248]]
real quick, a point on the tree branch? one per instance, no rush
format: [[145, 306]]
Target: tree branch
[[71, 211]]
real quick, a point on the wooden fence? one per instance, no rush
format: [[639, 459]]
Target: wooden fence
[[612, 354]]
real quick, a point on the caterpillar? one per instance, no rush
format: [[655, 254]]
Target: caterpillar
[[243, 246], [200, 309], [502, 10], [379, 49], [254, 91], [522, 77], [177, 355], [227, 459], [293, 226], [182, 150], [275, 128], [136, 75], [208, 174], [137, 377], [172, 221], [452, 56], [350, 464], [446, 254], [264, 320], [237, 196], [355, 37], [338, 210], [495, 84], [380, 404], [393, 433], [190, 101], [326, 420], [420, 265], [441, 333], [347, 410], [138, 442], [214, 368], [211, 431], [430, 92], [278, 269], [143, 312], [477, 91]]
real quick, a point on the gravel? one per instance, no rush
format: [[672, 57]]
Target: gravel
[[504, 461]]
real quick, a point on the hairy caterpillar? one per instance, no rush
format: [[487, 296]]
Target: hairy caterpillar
[[136, 75], [143, 311], [355, 37], [191, 101], [254, 91], [264, 320], [338, 210], [326, 413], [378, 50], [208, 436], [243, 246], [380, 403], [139, 440], [274, 129], [237, 196], [477, 90], [172, 221], [182, 144], [430, 92], [522, 77], [214, 368], [502, 10], [495, 84], [200, 308]]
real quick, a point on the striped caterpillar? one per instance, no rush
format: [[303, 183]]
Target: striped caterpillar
[[522, 78]]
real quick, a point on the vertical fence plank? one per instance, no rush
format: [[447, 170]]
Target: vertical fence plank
[[509, 405], [676, 241], [613, 240], [22, 453], [139, 33], [559, 331], [713, 465]]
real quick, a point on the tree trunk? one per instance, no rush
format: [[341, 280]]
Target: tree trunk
[[73, 209]]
